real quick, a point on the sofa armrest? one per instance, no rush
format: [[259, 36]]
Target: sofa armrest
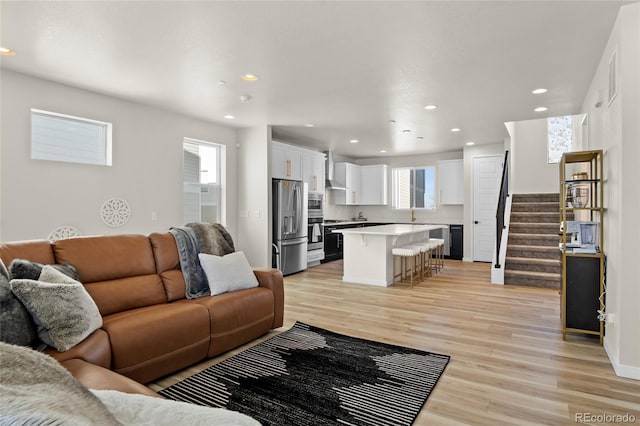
[[95, 349], [272, 279], [96, 377]]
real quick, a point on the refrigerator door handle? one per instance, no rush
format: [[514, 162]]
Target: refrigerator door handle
[[293, 242], [296, 206]]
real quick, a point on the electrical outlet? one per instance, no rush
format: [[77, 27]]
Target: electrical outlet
[[154, 215], [611, 319]]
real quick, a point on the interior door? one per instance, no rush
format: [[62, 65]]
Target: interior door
[[487, 172]]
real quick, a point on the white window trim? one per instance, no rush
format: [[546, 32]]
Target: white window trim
[[394, 194], [108, 134]]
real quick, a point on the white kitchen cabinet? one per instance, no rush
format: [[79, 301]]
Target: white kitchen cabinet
[[451, 181], [349, 174], [313, 171], [286, 161], [373, 184]]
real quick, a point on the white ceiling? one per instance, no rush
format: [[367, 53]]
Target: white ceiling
[[347, 67]]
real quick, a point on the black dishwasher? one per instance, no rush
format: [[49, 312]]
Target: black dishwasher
[[455, 242], [332, 244]]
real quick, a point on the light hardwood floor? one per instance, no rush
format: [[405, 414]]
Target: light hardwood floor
[[509, 364]]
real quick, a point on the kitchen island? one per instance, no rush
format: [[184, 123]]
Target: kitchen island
[[367, 251]]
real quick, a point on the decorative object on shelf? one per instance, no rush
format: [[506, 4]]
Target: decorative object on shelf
[[579, 194], [62, 232], [580, 176], [115, 212]]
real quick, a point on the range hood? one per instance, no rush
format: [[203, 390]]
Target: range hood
[[330, 182]]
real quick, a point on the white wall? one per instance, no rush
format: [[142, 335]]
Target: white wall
[[532, 174], [254, 195], [443, 214], [471, 152], [615, 128], [38, 196]]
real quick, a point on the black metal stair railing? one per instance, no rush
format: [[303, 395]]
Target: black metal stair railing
[[502, 204]]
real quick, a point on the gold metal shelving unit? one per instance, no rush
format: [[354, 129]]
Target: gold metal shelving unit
[[583, 270]]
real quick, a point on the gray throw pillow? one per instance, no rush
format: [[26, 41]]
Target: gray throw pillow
[[36, 390], [64, 313], [25, 269], [16, 325]]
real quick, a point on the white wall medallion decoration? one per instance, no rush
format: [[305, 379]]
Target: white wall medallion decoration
[[62, 232], [115, 212]]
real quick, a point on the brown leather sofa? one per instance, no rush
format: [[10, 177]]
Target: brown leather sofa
[[149, 329]]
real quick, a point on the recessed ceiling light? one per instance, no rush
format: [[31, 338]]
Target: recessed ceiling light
[[392, 121], [309, 125], [420, 138], [221, 83], [406, 131], [539, 91], [430, 107], [470, 143], [5, 51], [455, 129], [229, 117], [249, 77], [354, 141], [383, 151], [540, 109]]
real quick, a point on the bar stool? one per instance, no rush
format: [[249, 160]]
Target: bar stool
[[404, 253], [426, 249], [439, 253]]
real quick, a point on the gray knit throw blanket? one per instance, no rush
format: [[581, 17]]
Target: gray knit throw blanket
[[194, 238]]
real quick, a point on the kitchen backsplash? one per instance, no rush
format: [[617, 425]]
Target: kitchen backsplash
[[331, 211]]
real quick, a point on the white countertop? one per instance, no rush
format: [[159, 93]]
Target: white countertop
[[394, 229]]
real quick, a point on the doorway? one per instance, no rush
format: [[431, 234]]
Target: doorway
[[487, 172]]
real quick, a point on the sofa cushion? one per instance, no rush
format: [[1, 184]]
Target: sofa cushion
[[237, 317], [105, 258], [150, 342], [36, 251], [62, 309], [231, 272], [127, 293], [165, 253]]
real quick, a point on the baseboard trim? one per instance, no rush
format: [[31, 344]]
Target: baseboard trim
[[627, 371], [367, 281]]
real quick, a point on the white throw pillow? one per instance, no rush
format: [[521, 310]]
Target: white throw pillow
[[64, 313], [227, 273]]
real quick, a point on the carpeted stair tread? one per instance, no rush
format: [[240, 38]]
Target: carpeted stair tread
[[534, 228], [533, 265], [524, 198], [535, 217], [534, 207], [533, 279], [547, 240]]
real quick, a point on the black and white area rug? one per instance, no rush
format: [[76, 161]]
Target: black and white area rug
[[311, 376]]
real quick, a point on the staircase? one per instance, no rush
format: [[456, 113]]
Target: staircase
[[533, 258]]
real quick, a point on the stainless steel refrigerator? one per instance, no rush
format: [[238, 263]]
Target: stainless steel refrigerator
[[290, 225]]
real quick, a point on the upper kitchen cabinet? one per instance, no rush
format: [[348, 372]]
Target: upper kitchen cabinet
[[349, 174], [451, 181], [373, 184], [313, 171], [366, 185], [286, 161]]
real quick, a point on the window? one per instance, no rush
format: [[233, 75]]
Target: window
[[559, 137], [59, 137], [414, 188], [202, 177]]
